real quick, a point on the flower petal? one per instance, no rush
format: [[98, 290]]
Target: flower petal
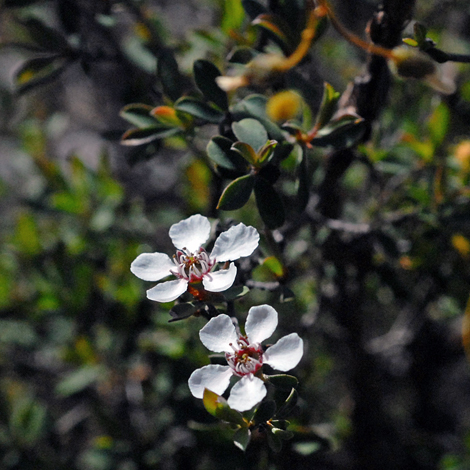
[[236, 242], [286, 353], [152, 266], [167, 291], [221, 280], [218, 334], [214, 377], [260, 323], [246, 393], [190, 233]]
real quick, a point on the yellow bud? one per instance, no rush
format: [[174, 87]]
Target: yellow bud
[[283, 106], [461, 244], [462, 153]]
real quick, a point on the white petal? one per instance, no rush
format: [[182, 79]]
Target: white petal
[[152, 266], [218, 334], [167, 291], [260, 323], [236, 242], [214, 377], [190, 233], [221, 280], [246, 393], [286, 353]]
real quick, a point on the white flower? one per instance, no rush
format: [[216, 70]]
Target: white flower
[[245, 356], [192, 263]]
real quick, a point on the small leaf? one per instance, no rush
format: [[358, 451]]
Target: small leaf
[[199, 109], [246, 151], [242, 438], [182, 311], [265, 411], [146, 135], [410, 42], [270, 206], [79, 379], [282, 433], [328, 105], [237, 193], [277, 30], [39, 71], [169, 75], [274, 441], [274, 265], [219, 149], [235, 292], [345, 132], [138, 114], [266, 152], [251, 132], [284, 381], [167, 116], [241, 55], [291, 401], [217, 406], [205, 73]]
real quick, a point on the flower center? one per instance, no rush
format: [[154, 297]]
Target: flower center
[[246, 358], [192, 266]]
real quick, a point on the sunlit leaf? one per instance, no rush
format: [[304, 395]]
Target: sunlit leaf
[[217, 406], [241, 438], [328, 105]]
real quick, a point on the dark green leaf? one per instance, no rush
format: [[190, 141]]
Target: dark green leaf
[[274, 441], [282, 433], [199, 109], [253, 8], [286, 294], [265, 411], [235, 292], [277, 30], [242, 437], [287, 407], [237, 193], [27, 420], [169, 75], [283, 381], [270, 206], [39, 71], [205, 73], [241, 55], [219, 149], [147, 134], [345, 132], [49, 39], [138, 114], [266, 152], [79, 379], [182, 311]]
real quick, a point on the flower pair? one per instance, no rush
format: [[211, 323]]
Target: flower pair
[[245, 357], [192, 263]]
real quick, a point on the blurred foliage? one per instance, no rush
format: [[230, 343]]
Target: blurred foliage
[[365, 249]]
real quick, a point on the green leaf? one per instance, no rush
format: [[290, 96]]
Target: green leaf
[[138, 114], [328, 105], [345, 132], [287, 407], [217, 406], [183, 311], [265, 411], [246, 151], [270, 206], [199, 109], [283, 381], [438, 123], [420, 32], [242, 438], [237, 193], [274, 441], [266, 152], [27, 421], [235, 292], [47, 38], [39, 71], [241, 55], [146, 135], [219, 150], [274, 265], [282, 433], [168, 74], [250, 131], [253, 8], [277, 30], [232, 16], [205, 73]]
